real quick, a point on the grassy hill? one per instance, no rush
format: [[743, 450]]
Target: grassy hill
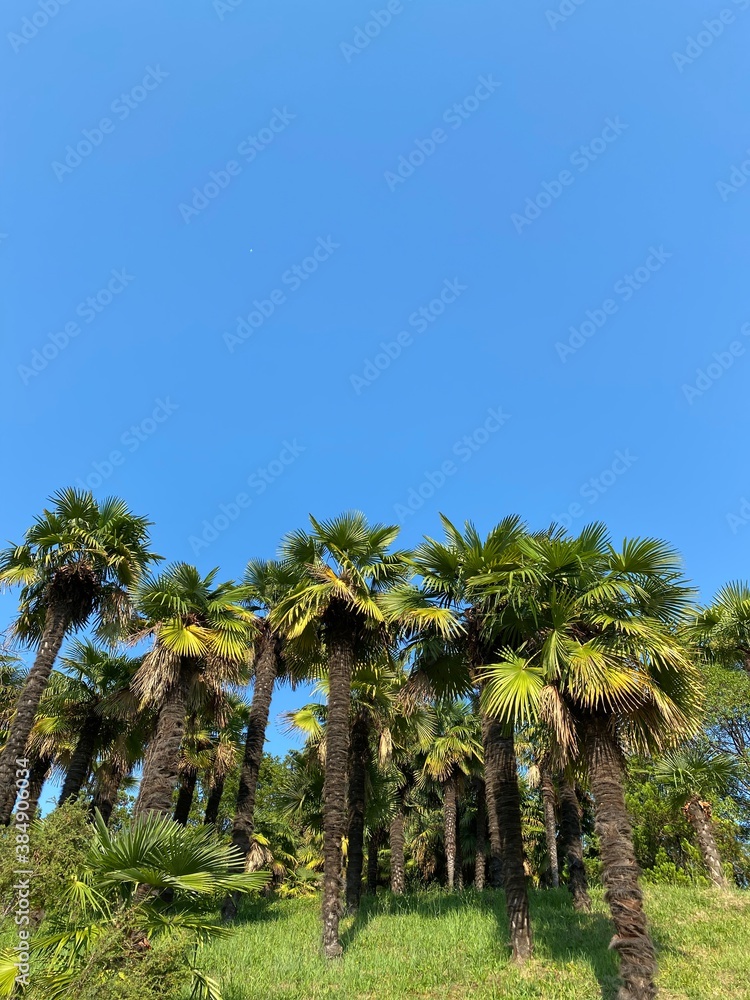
[[432, 945]]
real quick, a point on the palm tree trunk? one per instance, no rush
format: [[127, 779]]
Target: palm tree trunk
[[160, 770], [480, 863], [108, 781], [500, 762], [360, 743], [491, 784], [550, 823], [398, 866], [571, 845], [214, 802], [185, 797], [340, 664], [55, 625], [449, 816], [511, 833], [266, 671], [373, 868], [700, 819], [38, 773], [620, 872], [83, 757]]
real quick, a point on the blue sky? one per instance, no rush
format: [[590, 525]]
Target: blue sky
[[539, 209]]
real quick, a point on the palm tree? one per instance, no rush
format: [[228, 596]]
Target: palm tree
[[571, 845], [692, 774], [90, 694], [266, 583], [456, 627], [455, 751], [603, 666], [344, 565], [201, 640], [722, 630], [225, 755], [77, 560]]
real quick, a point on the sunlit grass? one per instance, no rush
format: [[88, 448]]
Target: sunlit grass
[[432, 945]]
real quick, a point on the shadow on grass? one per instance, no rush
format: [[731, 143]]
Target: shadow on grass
[[257, 909], [560, 933]]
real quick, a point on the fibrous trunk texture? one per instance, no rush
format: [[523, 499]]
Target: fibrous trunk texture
[[108, 781], [266, 671], [550, 823], [699, 815], [373, 867], [340, 664], [360, 744], [489, 730], [83, 757], [502, 774], [481, 841], [160, 770], [571, 844], [55, 626], [514, 873], [213, 802], [449, 815], [398, 867], [185, 796], [620, 872], [38, 772]]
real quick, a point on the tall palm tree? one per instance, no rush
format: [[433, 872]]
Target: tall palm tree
[[603, 666], [201, 642], [266, 582], [456, 627], [571, 844], [455, 751], [691, 775], [77, 560], [344, 565], [93, 684]]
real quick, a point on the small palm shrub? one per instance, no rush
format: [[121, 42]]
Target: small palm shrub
[[135, 911]]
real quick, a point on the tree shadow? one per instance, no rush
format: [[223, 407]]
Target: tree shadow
[[561, 934], [256, 909]]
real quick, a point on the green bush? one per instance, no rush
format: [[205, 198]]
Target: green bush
[[58, 845]]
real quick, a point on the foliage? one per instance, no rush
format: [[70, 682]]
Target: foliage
[[157, 880]]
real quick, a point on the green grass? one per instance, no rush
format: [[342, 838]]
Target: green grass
[[432, 945]]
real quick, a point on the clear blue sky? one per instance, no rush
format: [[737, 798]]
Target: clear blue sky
[[486, 103]]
